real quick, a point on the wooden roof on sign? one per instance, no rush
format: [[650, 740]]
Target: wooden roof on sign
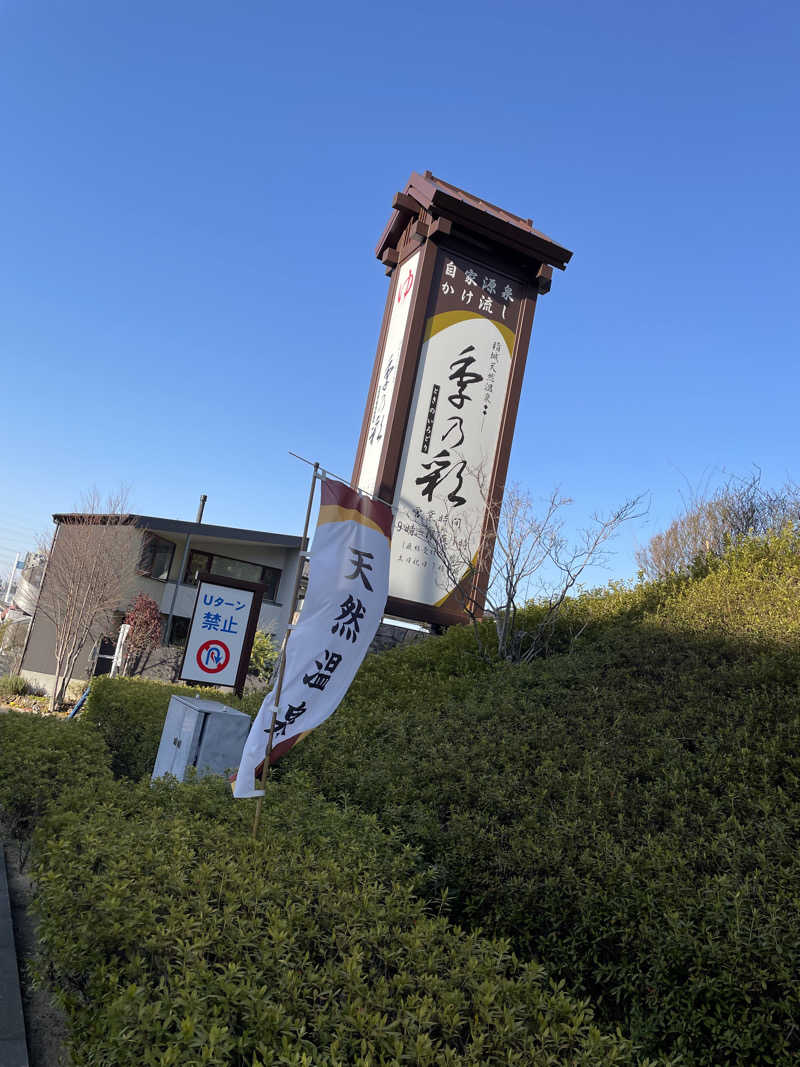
[[468, 213]]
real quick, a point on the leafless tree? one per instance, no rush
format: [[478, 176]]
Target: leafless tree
[[525, 554], [710, 522], [90, 570]]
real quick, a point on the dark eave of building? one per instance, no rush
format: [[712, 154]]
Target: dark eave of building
[[196, 529]]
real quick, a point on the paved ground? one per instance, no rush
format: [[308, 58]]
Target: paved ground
[[45, 1024], [13, 1046]]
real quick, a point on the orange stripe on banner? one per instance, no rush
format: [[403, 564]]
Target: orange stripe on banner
[[332, 513], [299, 737], [339, 495], [284, 747]]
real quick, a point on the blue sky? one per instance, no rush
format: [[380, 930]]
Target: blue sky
[[192, 194]]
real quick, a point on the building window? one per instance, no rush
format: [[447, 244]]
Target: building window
[[156, 557], [178, 631], [271, 577], [225, 567], [197, 563], [105, 656]]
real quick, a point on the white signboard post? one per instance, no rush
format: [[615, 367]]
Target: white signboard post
[[387, 376], [445, 386], [220, 625]]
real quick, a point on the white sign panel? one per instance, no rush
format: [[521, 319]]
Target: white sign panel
[[347, 585], [387, 377], [449, 450], [216, 636]]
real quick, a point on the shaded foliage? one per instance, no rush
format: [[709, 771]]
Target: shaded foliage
[[40, 755], [12, 685], [171, 937], [628, 814]]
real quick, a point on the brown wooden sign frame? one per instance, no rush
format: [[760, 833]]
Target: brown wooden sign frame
[[428, 216]]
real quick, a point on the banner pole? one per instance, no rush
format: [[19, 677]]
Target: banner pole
[[282, 663], [344, 481]]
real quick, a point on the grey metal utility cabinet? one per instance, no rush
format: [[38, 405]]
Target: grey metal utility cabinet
[[203, 734]]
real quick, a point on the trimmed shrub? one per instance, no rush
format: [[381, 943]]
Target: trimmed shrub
[[263, 656], [39, 757], [750, 597], [130, 714], [171, 937], [628, 814]]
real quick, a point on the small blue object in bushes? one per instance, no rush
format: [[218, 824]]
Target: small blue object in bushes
[[80, 704]]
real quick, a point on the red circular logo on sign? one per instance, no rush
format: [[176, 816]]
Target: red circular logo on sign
[[213, 656], [404, 288]]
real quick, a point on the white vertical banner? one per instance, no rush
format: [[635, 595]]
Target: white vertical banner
[[348, 584]]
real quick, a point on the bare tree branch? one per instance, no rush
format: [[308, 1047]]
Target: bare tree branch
[[90, 573], [525, 548], [710, 522]]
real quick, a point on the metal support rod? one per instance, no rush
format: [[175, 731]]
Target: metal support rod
[[301, 560], [338, 477], [200, 510], [175, 590]]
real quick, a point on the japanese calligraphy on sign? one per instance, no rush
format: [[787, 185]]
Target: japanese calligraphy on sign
[[347, 588], [455, 386], [455, 420], [406, 278], [215, 643]]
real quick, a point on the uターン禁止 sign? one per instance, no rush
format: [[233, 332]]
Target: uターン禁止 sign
[[221, 631]]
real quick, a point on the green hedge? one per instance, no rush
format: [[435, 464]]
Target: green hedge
[[749, 596], [171, 937], [39, 757], [130, 713], [628, 814]]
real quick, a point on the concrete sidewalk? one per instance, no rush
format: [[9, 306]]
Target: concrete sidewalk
[[13, 1047]]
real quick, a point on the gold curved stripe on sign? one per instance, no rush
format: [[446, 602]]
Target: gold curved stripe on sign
[[467, 573], [437, 323]]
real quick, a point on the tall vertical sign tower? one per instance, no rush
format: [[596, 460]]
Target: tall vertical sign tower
[[442, 403]]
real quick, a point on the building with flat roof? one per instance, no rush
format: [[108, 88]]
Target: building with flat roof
[[168, 555]]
